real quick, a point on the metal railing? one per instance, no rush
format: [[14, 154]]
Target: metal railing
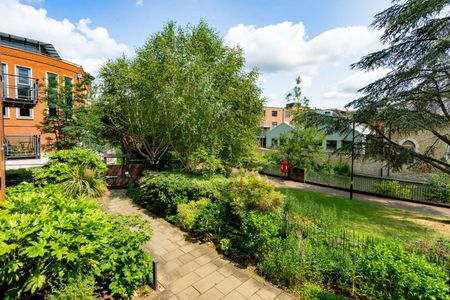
[[20, 89], [406, 190], [22, 146]]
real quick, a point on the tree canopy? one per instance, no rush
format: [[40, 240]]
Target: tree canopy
[[184, 93], [414, 95]]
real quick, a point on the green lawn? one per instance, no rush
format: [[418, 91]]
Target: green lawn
[[378, 220]]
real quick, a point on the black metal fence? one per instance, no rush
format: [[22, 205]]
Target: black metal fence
[[384, 187], [22, 146], [406, 190]]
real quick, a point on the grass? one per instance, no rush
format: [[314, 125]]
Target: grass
[[367, 218]]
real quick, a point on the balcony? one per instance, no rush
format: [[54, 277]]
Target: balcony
[[20, 91], [22, 146]]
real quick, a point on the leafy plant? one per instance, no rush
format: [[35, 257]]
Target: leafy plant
[[77, 290], [439, 188], [393, 188], [61, 163], [84, 182], [248, 191], [17, 176], [188, 212], [48, 239]]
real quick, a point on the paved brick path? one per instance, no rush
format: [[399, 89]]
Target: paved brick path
[[188, 269]]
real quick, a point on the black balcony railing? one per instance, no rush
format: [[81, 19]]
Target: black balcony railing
[[22, 146], [20, 90]]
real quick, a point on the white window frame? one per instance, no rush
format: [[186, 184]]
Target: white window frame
[[16, 78], [24, 118], [7, 114], [5, 79]]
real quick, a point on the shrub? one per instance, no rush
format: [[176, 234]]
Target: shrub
[[212, 221], [249, 191], [393, 189], [439, 188], [342, 168], [76, 290], [188, 212], [61, 163], [47, 240], [162, 193], [327, 167], [17, 176], [282, 265], [83, 181], [260, 233], [386, 271]]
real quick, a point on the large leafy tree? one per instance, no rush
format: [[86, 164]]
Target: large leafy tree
[[184, 93], [414, 96]]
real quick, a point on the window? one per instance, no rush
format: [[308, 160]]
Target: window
[[274, 124], [5, 79], [331, 145], [52, 93], [411, 146], [68, 96], [24, 113], [287, 114], [5, 112], [274, 113], [23, 82]]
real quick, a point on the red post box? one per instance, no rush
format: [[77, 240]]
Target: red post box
[[284, 167]]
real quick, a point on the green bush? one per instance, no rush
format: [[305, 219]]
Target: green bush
[[76, 290], [386, 271], [342, 168], [282, 264], [260, 233], [212, 222], [188, 212], [162, 193], [439, 188], [250, 192], [60, 166], [393, 189], [48, 239], [17, 176]]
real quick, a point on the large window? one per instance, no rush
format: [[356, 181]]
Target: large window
[[274, 113], [68, 96], [23, 82], [4, 71], [411, 146], [52, 93], [24, 113], [5, 112]]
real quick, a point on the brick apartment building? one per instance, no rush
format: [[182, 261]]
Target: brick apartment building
[[26, 66]]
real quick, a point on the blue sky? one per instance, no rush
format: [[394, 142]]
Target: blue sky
[[316, 39]]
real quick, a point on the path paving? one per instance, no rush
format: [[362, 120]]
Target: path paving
[[188, 269], [423, 208]]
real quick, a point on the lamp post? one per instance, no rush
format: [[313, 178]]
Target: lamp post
[[2, 148], [353, 158]]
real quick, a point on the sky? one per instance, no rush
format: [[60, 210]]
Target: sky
[[283, 39]]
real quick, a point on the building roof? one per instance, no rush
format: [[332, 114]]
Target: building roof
[[22, 43]]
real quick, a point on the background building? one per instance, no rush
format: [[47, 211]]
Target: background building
[[27, 66]]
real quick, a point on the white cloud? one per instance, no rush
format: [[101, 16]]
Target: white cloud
[[139, 2], [80, 43], [285, 46]]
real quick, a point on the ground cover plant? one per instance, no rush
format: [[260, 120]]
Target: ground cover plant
[[49, 240], [249, 220]]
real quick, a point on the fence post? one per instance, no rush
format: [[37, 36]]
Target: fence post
[[353, 158], [155, 274]]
